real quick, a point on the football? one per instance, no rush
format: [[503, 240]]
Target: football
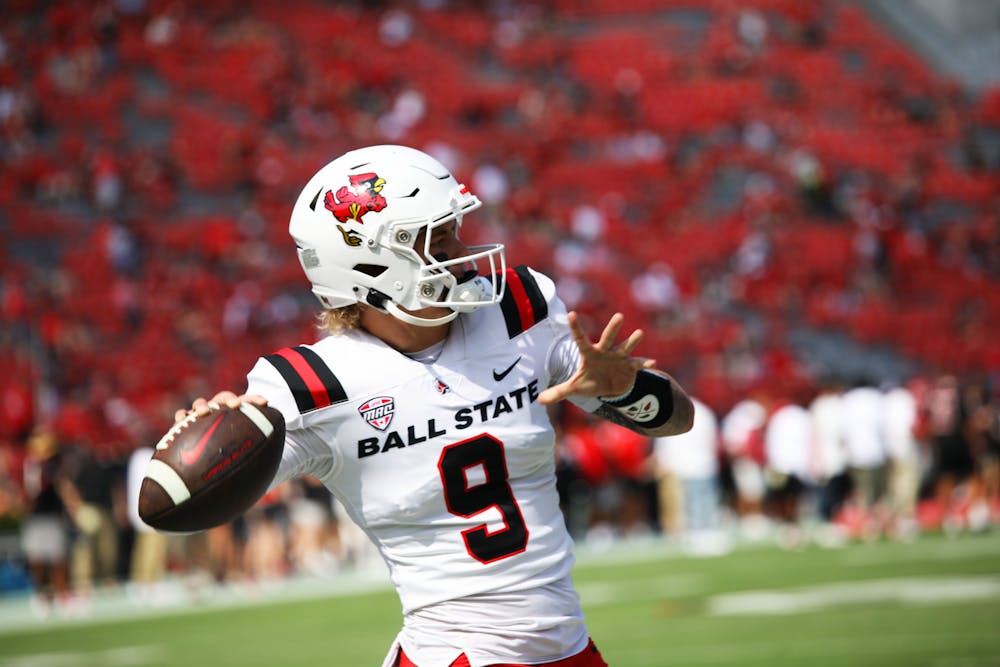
[[208, 469]]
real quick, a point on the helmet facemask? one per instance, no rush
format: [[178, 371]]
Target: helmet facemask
[[437, 284]]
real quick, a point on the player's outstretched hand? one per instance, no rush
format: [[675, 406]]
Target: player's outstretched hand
[[202, 406], [606, 367]]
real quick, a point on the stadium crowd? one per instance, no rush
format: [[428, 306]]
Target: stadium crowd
[[723, 174]]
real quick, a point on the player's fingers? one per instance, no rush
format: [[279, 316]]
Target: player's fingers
[[199, 406], [256, 399], [576, 330], [610, 332], [629, 345], [226, 398], [554, 394]]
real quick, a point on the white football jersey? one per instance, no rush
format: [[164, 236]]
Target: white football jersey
[[449, 466]]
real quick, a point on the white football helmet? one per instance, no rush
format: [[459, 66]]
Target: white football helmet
[[355, 225]]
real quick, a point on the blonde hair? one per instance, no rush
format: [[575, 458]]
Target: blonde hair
[[335, 320]]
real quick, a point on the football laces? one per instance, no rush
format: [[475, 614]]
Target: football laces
[[175, 430]]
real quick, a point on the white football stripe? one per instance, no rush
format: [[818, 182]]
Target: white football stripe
[[165, 476], [258, 418]]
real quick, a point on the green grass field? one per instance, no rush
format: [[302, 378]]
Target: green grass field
[[933, 603]]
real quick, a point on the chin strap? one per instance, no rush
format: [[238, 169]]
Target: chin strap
[[409, 318]]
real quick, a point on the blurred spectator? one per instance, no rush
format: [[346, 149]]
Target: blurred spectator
[[867, 457], [106, 179], [632, 487], [490, 180], [312, 539], [982, 425], [952, 457], [17, 396], [688, 469], [11, 503], [224, 551], [788, 441], [905, 460], [46, 525], [13, 578], [751, 27], [828, 420], [88, 492], [265, 553], [813, 183], [655, 291], [742, 431], [587, 223], [149, 551]]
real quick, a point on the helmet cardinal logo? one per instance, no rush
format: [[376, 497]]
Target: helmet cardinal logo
[[351, 202]]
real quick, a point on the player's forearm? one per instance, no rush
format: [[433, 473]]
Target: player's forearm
[[655, 406]]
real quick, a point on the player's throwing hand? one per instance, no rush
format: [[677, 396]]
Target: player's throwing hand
[[606, 368]]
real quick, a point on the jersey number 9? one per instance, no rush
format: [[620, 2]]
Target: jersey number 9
[[467, 500]]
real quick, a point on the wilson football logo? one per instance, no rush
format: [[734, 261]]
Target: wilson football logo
[[378, 411]]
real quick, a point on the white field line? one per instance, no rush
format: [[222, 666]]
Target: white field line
[[123, 656], [906, 591], [826, 646]]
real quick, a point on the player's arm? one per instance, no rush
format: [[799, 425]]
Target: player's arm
[[631, 391]]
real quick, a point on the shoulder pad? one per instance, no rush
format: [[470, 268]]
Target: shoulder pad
[[524, 304], [312, 383]]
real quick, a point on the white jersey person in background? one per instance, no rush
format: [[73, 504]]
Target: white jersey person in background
[[424, 409], [867, 456], [692, 460], [832, 479], [742, 433], [788, 441]]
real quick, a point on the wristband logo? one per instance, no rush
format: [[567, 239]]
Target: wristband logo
[[643, 410]]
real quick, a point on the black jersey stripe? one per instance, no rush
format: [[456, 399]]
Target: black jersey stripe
[[538, 305], [304, 400], [523, 304], [334, 389], [312, 383]]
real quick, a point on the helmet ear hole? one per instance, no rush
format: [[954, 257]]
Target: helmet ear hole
[[373, 270]]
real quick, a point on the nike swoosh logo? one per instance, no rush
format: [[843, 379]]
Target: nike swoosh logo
[[504, 373], [189, 456]]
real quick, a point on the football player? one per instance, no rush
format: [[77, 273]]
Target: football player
[[424, 409]]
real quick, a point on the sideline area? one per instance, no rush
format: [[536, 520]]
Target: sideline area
[[192, 594]]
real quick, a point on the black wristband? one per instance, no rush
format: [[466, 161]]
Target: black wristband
[[650, 403]]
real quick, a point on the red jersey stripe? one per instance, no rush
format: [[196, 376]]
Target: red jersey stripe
[[521, 299], [316, 388]]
